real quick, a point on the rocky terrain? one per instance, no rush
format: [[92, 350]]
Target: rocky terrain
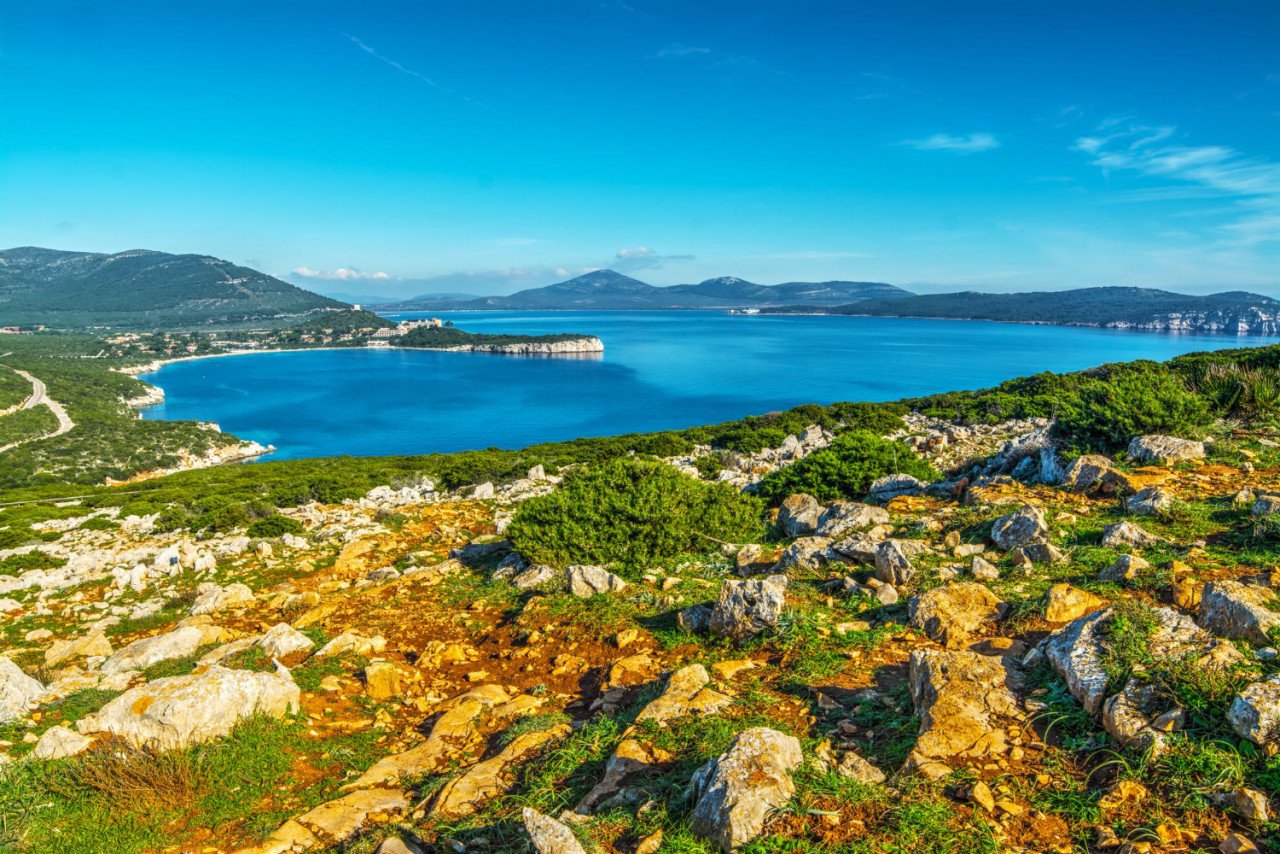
[[1021, 656]]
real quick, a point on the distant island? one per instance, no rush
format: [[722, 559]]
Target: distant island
[[608, 290], [1146, 309]]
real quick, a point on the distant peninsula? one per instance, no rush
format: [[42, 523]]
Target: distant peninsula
[[1145, 309]]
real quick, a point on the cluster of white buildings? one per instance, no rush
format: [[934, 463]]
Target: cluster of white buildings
[[381, 336]]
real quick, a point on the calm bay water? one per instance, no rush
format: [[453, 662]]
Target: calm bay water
[[660, 370]]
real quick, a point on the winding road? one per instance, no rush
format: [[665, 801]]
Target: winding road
[[40, 397]]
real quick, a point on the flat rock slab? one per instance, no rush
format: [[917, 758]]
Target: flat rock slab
[[960, 697], [181, 710], [464, 795], [18, 691], [952, 613], [548, 835], [141, 654], [341, 819]]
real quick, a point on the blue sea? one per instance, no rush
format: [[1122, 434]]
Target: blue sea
[[660, 370]]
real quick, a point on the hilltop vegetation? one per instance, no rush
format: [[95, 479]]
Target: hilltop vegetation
[[141, 289], [1083, 306]]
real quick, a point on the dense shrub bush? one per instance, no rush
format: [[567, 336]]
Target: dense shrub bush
[[844, 469], [1122, 401], [275, 526], [633, 513]]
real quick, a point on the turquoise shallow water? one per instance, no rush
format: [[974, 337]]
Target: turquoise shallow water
[[660, 370]]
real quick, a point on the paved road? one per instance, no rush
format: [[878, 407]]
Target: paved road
[[40, 397]]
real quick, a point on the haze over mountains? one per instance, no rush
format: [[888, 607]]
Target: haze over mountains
[[610, 290], [141, 288]]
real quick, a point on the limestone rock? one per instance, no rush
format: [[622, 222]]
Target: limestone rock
[[1151, 501], [738, 789], [747, 607], [1127, 568], [960, 697], [548, 835], [1127, 534], [854, 767], [181, 710], [212, 598], [806, 553], [1255, 712], [677, 699], [59, 742], [534, 576], [588, 581], [695, 619], [18, 691], [92, 644], [1086, 472], [798, 515], [893, 563], [844, 517], [283, 640], [1164, 449], [464, 795], [894, 486], [143, 653], [354, 644], [951, 614], [1021, 528], [1042, 553], [1129, 716], [1067, 603], [340, 819], [983, 569], [1233, 610], [1266, 505]]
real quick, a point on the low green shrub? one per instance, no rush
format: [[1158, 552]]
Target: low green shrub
[[633, 513], [275, 526], [844, 469], [1123, 401]]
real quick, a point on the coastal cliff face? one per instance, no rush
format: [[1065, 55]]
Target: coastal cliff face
[[1254, 321], [151, 396], [589, 344]]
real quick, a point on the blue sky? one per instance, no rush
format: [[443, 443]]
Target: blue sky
[[381, 148]]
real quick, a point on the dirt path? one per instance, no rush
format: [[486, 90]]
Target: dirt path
[[40, 397]]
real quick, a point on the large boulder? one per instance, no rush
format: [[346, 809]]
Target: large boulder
[[1233, 610], [893, 562], [1066, 603], [177, 711], [686, 692], [798, 515], [806, 553], [18, 691], [961, 698], [1126, 534], [844, 517], [141, 654], [1164, 449], [749, 606], [588, 581], [950, 615], [1255, 712], [283, 640], [738, 789], [59, 742], [1022, 528]]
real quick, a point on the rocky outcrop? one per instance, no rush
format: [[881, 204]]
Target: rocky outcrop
[[1164, 450], [141, 654], [1233, 610], [18, 691], [181, 710], [798, 515], [748, 607], [548, 835], [737, 790], [586, 344], [951, 614], [588, 581], [1022, 528], [961, 698], [1255, 712]]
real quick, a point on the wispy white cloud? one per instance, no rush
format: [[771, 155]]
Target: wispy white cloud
[[641, 258], [635, 252], [342, 274], [1197, 172], [402, 69], [960, 144]]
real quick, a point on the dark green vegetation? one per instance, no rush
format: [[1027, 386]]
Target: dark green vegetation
[[141, 289], [341, 322], [13, 390], [633, 513], [844, 469], [608, 290], [109, 439], [1079, 307], [441, 338]]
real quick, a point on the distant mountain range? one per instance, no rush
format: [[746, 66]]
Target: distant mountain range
[[610, 290], [142, 289], [1114, 307]]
